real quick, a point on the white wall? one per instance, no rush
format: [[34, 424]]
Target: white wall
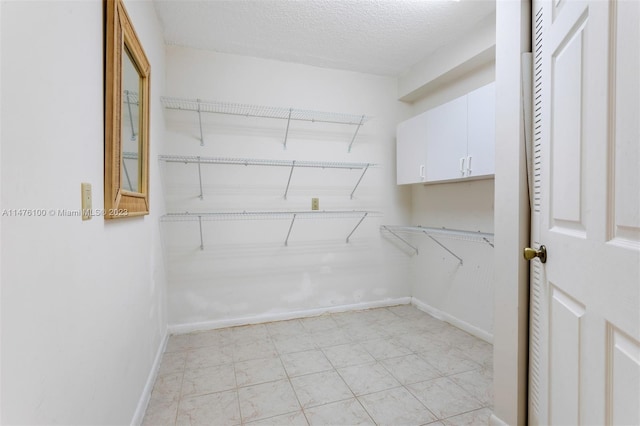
[[83, 314], [451, 62], [462, 294], [245, 272], [1, 206]]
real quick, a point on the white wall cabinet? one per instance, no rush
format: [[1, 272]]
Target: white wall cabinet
[[411, 155], [447, 140], [481, 132], [454, 141]]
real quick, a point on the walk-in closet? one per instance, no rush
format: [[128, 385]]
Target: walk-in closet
[[319, 212]]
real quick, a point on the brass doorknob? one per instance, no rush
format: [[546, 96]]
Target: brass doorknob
[[531, 254]]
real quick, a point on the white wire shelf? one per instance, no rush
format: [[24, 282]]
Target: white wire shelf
[[261, 162], [131, 98], [436, 233], [292, 164], [269, 215], [260, 111]]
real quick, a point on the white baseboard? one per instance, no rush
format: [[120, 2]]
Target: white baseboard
[[436, 313], [496, 421], [258, 319], [138, 416]]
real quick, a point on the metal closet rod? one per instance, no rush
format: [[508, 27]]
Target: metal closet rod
[[439, 232], [259, 111], [259, 162], [199, 217]]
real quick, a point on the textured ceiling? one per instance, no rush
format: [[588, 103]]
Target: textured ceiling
[[373, 36]]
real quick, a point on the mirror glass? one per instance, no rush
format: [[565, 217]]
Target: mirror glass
[[130, 119]]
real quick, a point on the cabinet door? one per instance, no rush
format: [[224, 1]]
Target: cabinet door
[[447, 140], [481, 127], [411, 150]]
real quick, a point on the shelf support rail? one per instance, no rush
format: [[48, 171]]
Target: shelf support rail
[[200, 124], [126, 173], [286, 191], [286, 241], [200, 178], [444, 247], [359, 180], [355, 133], [486, 240], [133, 129], [286, 133], [201, 239], [358, 224], [400, 238]]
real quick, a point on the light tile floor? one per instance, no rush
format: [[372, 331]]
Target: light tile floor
[[387, 366]]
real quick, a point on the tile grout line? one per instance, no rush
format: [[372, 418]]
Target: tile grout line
[[292, 387], [237, 388], [184, 369]]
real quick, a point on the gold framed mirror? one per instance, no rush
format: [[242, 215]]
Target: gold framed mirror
[[126, 136]]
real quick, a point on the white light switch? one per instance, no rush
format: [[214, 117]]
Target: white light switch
[[86, 200]]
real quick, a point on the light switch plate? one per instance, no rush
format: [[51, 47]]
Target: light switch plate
[[315, 204], [86, 200]]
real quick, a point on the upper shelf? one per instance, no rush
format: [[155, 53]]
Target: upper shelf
[[262, 162], [247, 110]]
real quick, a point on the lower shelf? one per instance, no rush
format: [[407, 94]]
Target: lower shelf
[[269, 215]]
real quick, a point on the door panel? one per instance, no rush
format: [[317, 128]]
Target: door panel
[[564, 334], [566, 137], [624, 379], [585, 301], [625, 131]]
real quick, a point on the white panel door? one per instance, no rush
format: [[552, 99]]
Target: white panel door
[[447, 140], [481, 131], [585, 300], [411, 150]]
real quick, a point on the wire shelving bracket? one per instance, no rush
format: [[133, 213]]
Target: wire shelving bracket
[[432, 233], [274, 163], [386, 228], [131, 98], [266, 215], [128, 156], [247, 110]]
